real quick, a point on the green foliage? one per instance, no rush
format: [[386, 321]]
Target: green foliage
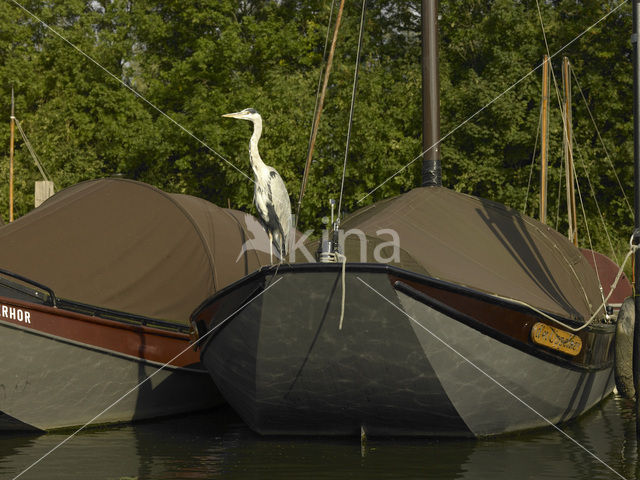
[[196, 60]]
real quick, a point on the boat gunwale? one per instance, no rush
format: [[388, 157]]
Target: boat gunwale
[[104, 350], [391, 270], [498, 335], [124, 320], [393, 274]]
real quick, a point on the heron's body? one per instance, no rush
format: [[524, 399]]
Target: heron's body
[[271, 197]]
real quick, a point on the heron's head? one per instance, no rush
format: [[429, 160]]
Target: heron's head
[[246, 114]]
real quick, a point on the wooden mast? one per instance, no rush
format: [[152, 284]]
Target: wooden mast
[[316, 120], [11, 142], [544, 147], [568, 154]]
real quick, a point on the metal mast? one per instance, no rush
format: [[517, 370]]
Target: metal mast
[[431, 167]]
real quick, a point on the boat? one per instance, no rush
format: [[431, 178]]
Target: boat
[[441, 314], [96, 288]]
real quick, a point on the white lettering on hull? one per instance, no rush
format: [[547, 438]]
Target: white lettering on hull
[[14, 313]]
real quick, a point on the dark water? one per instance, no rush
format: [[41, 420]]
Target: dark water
[[218, 445]]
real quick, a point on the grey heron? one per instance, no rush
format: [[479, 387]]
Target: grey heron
[[271, 197]]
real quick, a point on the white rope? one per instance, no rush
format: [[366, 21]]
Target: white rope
[[335, 257], [565, 117], [343, 259], [632, 250]]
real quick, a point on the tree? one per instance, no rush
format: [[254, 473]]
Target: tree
[[193, 61]]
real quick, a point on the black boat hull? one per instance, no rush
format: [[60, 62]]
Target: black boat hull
[[398, 367]]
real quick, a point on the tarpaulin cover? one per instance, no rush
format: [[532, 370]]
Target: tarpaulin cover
[[128, 246], [485, 246]]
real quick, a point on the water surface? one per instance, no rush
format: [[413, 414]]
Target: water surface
[[218, 445]]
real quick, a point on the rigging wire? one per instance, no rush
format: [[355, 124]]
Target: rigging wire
[[134, 91], [316, 121], [533, 161], [570, 148], [595, 199], [604, 147], [557, 225], [31, 150], [564, 114], [584, 213], [315, 108], [495, 99], [353, 101], [577, 184]]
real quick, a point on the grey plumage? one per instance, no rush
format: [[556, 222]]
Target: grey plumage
[[271, 197]]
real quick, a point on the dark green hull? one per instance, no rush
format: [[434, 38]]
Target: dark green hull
[[403, 364]]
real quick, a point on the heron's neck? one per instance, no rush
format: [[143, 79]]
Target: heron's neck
[[254, 155]]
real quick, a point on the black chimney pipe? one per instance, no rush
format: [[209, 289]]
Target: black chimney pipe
[[431, 168]]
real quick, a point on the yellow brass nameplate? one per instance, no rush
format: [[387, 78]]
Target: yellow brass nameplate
[[557, 339]]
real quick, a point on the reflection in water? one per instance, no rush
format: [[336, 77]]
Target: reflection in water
[[217, 444]]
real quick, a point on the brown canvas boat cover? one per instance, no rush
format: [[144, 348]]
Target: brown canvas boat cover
[[485, 246], [128, 246]]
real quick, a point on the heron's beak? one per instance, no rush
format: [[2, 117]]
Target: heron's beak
[[233, 115]]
